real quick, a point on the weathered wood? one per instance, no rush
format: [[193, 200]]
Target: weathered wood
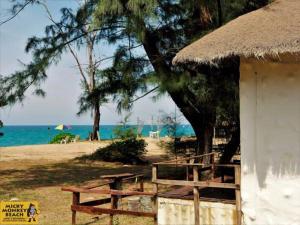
[[133, 177], [120, 175], [96, 202], [141, 184], [213, 168], [196, 196], [75, 201], [197, 184], [198, 164], [114, 205], [99, 211], [97, 184], [108, 192], [154, 172], [155, 191], [117, 185], [237, 173], [184, 159], [187, 171]]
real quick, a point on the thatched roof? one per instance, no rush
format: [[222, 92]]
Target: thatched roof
[[271, 30]]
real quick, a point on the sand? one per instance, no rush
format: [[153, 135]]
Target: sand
[[59, 152]]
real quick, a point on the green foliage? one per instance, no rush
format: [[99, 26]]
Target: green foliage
[[146, 35], [61, 136], [170, 122], [124, 133], [129, 151]]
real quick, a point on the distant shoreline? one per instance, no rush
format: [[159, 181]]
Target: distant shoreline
[[53, 125], [23, 135]]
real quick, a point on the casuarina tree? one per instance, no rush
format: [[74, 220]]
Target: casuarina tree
[[147, 34]]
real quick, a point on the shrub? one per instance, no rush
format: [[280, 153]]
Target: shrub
[[59, 137], [124, 133], [129, 151]]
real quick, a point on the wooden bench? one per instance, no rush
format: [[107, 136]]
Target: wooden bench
[[115, 191]]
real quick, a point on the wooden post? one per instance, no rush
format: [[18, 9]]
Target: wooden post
[[187, 170], [213, 168], [154, 173], [75, 201], [237, 175], [116, 185], [114, 205], [196, 196], [155, 190], [142, 184]]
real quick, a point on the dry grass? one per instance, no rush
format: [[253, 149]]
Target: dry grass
[[41, 179], [42, 182]]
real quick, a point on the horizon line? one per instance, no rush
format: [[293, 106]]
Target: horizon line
[[79, 124]]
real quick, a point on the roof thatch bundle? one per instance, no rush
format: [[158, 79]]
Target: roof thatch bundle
[[271, 30]]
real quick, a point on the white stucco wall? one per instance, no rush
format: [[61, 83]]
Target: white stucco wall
[[270, 141], [181, 212]]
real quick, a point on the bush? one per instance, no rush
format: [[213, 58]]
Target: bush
[[129, 151], [124, 133], [59, 137]]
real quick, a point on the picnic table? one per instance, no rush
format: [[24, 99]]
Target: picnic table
[[116, 192]]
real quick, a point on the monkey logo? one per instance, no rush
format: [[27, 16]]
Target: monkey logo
[[31, 212]]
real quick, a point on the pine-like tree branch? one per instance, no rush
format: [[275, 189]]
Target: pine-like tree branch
[[68, 45], [145, 94], [13, 16]]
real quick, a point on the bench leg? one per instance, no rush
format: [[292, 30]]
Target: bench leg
[[76, 200]]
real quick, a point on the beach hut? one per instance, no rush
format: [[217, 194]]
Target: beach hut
[[267, 41]]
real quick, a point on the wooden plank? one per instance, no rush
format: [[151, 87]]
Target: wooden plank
[[120, 175], [181, 164], [75, 201], [197, 184], [99, 211], [108, 192], [184, 159], [133, 177], [196, 196], [198, 164], [96, 202], [97, 184], [237, 173]]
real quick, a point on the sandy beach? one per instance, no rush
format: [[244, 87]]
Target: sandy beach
[[58, 152], [49, 151]]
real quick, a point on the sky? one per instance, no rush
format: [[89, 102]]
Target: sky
[[63, 84]]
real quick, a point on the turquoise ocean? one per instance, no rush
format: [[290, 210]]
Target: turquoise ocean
[[32, 135]]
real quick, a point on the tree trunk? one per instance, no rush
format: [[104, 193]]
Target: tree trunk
[[202, 120], [231, 147], [229, 151], [220, 14], [96, 126], [202, 123]]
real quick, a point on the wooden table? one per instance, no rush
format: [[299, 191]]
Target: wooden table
[[115, 191]]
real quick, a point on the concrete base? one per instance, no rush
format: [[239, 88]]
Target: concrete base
[[181, 212]]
